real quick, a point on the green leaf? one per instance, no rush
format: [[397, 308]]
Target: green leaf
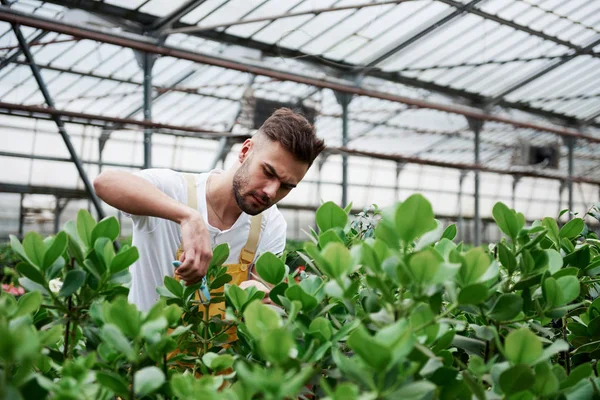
[[552, 293], [476, 263], [217, 362], [431, 237], [330, 215], [386, 232], [516, 379], [107, 228], [220, 255], [348, 208], [124, 259], [508, 306], [173, 286], [572, 229], [308, 301], [321, 328], [578, 374], [522, 346], [260, 319], [220, 281], [507, 258], [29, 303], [147, 380], [85, 225], [56, 249], [271, 268], [124, 315], [338, 258], [329, 236], [473, 294], [552, 226], [74, 279], [569, 285], [555, 261], [113, 382], [18, 248], [370, 350], [31, 272], [507, 220], [34, 248], [236, 296], [449, 232], [413, 218], [113, 337], [276, 345], [417, 390], [424, 265]]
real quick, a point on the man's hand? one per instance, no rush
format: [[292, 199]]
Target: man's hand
[[259, 286], [197, 251]]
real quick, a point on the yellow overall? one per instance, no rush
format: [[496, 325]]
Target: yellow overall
[[239, 272]]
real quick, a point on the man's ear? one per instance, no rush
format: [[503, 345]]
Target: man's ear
[[245, 150]]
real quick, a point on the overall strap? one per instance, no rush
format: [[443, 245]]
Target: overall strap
[[249, 250], [192, 195]]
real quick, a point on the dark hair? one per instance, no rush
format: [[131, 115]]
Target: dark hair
[[293, 131]]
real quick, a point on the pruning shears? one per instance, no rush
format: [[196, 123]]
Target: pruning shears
[[203, 287]]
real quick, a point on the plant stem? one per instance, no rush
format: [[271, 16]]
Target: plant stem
[[131, 392], [66, 340], [165, 366], [433, 321], [206, 306], [566, 353]]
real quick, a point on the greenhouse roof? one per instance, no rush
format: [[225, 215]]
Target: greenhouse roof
[[530, 69]]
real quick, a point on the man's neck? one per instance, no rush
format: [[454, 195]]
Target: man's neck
[[219, 193]]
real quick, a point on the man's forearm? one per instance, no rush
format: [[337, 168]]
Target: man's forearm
[[137, 196]]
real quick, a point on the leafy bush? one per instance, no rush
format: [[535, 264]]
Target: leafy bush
[[386, 311]]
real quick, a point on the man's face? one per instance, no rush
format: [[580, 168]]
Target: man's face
[[267, 175]]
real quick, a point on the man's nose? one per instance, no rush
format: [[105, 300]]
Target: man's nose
[[271, 189]]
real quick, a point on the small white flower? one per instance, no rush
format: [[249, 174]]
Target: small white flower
[[293, 352], [55, 285]]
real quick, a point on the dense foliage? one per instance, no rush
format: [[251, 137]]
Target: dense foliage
[[389, 307]]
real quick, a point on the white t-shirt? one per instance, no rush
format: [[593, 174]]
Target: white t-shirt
[[158, 239]]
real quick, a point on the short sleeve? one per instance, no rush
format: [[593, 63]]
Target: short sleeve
[[274, 234], [167, 181]]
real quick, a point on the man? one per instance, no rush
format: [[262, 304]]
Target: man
[[268, 167]]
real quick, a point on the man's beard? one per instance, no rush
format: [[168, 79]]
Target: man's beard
[[240, 182]]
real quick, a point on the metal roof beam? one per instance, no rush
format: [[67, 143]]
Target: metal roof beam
[[277, 51], [439, 22], [146, 45], [316, 11], [15, 55], [514, 25], [330, 150], [527, 80], [165, 22]]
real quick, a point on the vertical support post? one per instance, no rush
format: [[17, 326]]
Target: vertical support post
[[57, 120], [561, 188], [516, 179], [477, 235], [344, 100], [399, 167], [476, 125], [571, 144], [57, 212], [148, 62], [21, 217], [460, 221]]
